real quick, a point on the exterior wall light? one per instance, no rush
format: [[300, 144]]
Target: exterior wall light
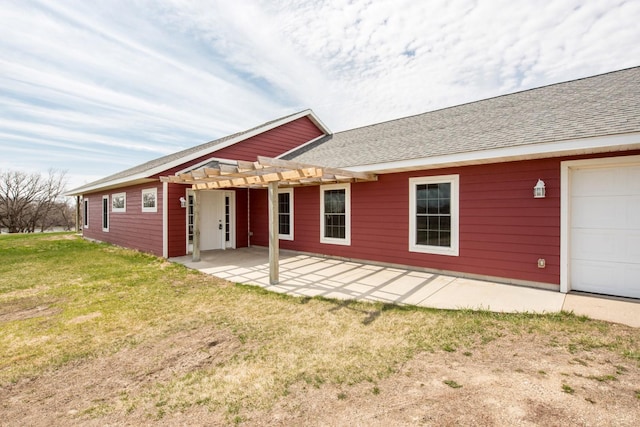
[[539, 190], [183, 202]]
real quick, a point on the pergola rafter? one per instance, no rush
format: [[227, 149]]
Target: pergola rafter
[[267, 173], [259, 174]]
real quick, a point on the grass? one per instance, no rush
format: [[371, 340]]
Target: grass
[[64, 299]]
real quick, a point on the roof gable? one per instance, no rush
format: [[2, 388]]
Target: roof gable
[[150, 170]]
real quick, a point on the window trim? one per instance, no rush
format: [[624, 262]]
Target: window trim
[[347, 207], [114, 196], [288, 236], [105, 213], [153, 191], [454, 249], [85, 212]]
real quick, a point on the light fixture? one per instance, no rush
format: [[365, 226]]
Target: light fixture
[[539, 190], [183, 202]]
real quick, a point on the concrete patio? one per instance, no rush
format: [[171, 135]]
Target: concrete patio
[[305, 275]]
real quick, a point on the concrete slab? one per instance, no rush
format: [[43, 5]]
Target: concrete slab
[[305, 275], [479, 295], [610, 309]]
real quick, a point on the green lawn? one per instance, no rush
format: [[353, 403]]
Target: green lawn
[[64, 300]]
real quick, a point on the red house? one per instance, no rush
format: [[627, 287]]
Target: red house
[[539, 188]]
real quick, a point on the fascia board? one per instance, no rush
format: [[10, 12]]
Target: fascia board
[[532, 151], [111, 185]]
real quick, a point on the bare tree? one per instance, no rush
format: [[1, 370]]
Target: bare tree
[[27, 200]]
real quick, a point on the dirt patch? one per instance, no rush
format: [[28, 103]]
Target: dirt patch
[[77, 393], [505, 383], [514, 380], [26, 308]]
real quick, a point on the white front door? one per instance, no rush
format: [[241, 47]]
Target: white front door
[[217, 220], [605, 230], [211, 220]]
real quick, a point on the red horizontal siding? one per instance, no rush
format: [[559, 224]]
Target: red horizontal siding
[[132, 229], [271, 143], [177, 220], [503, 229]]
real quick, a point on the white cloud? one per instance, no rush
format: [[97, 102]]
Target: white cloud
[[117, 83]]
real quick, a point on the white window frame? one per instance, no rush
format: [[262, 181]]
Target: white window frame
[[347, 199], [85, 213], [454, 249], [153, 191], [289, 236], [105, 211], [115, 196]]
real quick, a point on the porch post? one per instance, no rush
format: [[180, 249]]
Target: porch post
[[196, 226], [274, 244]]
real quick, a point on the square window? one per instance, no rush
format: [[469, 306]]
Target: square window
[[150, 200], [119, 202]]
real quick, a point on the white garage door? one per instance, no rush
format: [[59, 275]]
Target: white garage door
[[605, 230]]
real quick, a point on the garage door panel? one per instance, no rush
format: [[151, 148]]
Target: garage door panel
[[605, 230], [607, 278], [600, 212]]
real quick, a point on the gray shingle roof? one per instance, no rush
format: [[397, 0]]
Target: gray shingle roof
[[607, 104]]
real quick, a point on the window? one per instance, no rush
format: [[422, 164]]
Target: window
[[105, 213], [149, 200], [85, 213], [433, 215], [119, 202], [285, 213], [335, 211]]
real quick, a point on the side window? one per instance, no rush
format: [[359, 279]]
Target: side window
[[119, 202], [335, 214], [434, 215], [285, 213], [105, 213], [149, 200], [85, 213]]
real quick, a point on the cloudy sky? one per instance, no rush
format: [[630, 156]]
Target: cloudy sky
[[95, 87]]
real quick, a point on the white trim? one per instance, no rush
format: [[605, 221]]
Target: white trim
[[566, 169], [153, 190], [301, 146], [454, 249], [288, 191], [115, 196], [165, 219], [105, 210], [605, 144], [203, 152], [347, 206]]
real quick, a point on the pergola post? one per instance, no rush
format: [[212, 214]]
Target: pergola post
[[196, 226], [274, 244]]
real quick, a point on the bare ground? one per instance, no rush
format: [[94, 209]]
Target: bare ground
[[514, 380]]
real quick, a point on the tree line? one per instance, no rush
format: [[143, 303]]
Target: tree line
[[31, 202]]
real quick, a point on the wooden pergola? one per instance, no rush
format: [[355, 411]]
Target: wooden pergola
[[265, 173]]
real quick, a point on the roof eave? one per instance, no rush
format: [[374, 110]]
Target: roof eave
[[595, 145]]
